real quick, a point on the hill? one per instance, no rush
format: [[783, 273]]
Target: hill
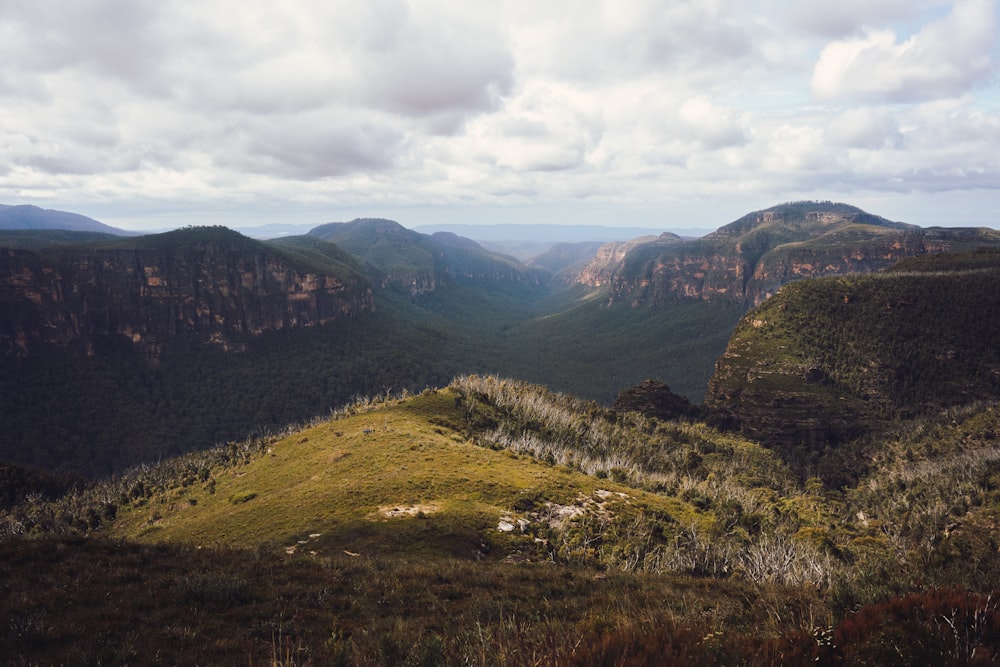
[[747, 260], [494, 520], [419, 263], [827, 360], [26, 217], [565, 260]]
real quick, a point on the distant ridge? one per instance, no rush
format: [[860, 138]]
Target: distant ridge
[[26, 216], [555, 233]]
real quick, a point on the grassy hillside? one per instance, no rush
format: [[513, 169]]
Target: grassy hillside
[[496, 522]]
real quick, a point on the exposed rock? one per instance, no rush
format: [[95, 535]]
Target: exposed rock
[[750, 259], [218, 288]]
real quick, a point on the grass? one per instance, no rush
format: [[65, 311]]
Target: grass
[[397, 479], [108, 601], [373, 539]]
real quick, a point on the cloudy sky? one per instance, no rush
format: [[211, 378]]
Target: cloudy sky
[[147, 114]]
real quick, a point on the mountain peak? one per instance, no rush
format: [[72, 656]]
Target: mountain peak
[[805, 218]]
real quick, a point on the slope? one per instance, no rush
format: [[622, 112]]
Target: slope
[[419, 263], [828, 360], [747, 260], [398, 480], [497, 520], [32, 217]]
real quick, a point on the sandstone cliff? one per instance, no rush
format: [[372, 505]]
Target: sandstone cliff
[[176, 290], [827, 360], [749, 259]]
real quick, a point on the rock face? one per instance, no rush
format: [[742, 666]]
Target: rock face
[[187, 288], [749, 259], [827, 360]]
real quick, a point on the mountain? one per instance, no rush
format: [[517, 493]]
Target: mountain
[[101, 369], [420, 263], [747, 260], [543, 233], [32, 217], [197, 286], [565, 260], [829, 360], [528, 241]]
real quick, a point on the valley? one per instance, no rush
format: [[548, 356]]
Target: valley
[[370, 446]]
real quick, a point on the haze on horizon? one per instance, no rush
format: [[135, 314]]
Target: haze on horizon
[[155, 114]]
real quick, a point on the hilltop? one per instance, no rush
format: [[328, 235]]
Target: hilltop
[[418, 262], [747, 260], [493, 520], [828, 360]]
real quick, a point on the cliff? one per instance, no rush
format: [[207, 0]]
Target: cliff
[[750, 259], [827, 360], [177, 290]]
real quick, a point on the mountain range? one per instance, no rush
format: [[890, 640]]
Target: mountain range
[[109, 336], [32, 217], [835, 499]]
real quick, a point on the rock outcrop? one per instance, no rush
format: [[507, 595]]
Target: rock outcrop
[[177, 290], [750, 259]]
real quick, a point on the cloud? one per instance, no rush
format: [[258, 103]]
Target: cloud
[[845, 17], [311, 146], [426, 104], [712, 126], [871, 128], [944, 59], [609, 40]]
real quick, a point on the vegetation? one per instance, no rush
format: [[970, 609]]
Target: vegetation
[[494, 521], [544, 528], [103, 414], [823, 368]]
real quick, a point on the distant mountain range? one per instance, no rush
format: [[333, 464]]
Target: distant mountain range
[[33, 217]]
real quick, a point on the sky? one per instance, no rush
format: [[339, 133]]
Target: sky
[[154, 114]]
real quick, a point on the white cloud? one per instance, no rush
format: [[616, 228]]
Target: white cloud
[[871, 128], [711, 125], [436, 105], [946, 58]]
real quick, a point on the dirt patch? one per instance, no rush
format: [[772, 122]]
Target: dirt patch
[[399, 511]]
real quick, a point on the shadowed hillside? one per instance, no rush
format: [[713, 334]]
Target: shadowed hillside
[[496, 522], [828, 360]]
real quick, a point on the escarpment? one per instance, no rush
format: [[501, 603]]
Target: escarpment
[[176, 291], [830, 359], [748, 260]]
